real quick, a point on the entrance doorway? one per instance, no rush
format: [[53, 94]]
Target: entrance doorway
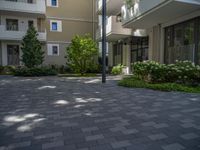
[[139, 49], [13, 55]]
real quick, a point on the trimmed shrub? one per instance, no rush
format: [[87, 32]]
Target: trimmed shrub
[[181, 72], [37, 71], [7, 70], [1, 69], [117, 70]]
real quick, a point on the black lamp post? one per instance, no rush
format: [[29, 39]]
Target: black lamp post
[[103, 41]]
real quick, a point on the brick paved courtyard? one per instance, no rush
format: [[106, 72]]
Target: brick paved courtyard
[[82, 114]]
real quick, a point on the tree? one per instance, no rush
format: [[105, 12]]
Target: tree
[[81, 53], [32, 53]]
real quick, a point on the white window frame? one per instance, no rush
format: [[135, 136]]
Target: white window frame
[[49, 3], [59, 25], [50, 49]]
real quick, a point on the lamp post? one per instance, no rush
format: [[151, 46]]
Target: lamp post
[[103, 41]]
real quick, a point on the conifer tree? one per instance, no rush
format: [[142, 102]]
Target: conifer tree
[[32, 53]]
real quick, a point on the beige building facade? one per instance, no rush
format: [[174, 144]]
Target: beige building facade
[[120, 39], [57, 22], [162, 30]]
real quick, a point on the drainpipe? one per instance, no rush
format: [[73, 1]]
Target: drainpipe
[[93, 19]]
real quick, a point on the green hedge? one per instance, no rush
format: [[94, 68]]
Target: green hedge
[[39, 71], [181, 72], [134, 82]]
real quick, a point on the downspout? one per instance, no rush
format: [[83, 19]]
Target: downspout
[[93, 21]]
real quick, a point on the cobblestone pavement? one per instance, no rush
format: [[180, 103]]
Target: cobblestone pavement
[[82, 114]]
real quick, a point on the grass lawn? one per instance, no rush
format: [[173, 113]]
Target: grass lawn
[[78, 75], [133, 82]]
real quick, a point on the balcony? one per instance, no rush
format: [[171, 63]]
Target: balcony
[[18, 35], [113, 6], [147, 13], [37, 7], [114, 30]]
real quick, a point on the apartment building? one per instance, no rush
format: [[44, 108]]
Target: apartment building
[[123, 43], [65, 19], [160, 30], [173, 28], [56, 21]]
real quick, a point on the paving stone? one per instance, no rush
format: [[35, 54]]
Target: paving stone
[[120, 144], [90, 129], [19, 145], [94, 137], [130, 131], [161, 125], [149, 123], [95, 116], [189, 136], [52, 145], [155, 137], [49, 135], [175, 146]]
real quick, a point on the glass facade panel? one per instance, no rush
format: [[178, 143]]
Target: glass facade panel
[[117, 54], [180, 42], [139, 49]]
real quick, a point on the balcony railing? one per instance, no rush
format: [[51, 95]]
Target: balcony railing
[[139, 8], [18, 35], [113, 27], [113, 6], [27, 6]]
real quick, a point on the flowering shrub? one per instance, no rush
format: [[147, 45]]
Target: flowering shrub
[[116, 70], [181, 71]]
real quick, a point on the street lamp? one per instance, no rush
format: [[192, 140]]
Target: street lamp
[[103, 41]]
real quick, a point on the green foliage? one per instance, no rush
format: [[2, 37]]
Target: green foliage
[[181, 72], [61, 69], [1, 69], [117, 70], [129, 3], [7, 70], [93, 68], [81, 53], [36, 71], [32, 53], [134, 82]]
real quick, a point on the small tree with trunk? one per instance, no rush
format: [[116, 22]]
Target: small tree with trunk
[[81, 53], [32, 53]]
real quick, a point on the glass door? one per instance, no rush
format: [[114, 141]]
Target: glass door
[[139, 49], [13, 55]]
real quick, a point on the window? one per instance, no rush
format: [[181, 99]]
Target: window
[[53, 2], [12, 24], [139, 49], [181, 42], [30, 1], [30, 23], [117, 54], [53, 49], [54, 26]]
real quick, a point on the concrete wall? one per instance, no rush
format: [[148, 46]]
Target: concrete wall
[[110, 55], [35, 8], [56, 60], [77, 18], [154, 43]]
